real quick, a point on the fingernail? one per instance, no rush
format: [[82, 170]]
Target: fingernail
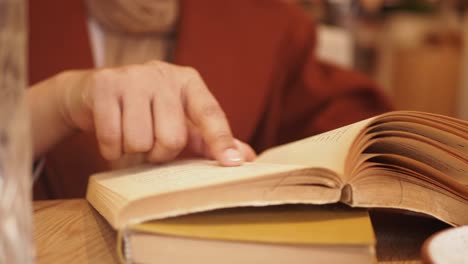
[[232, 156]]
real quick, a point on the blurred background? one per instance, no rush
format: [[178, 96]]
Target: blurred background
[[417, 50]]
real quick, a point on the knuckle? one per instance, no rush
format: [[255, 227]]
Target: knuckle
[[127, 70], [109, 137], [191, 72], [118, 81], [222, 137], [212, 110], [129, 75], [103, 83], [173, 143], [103, 77], [158, 67], [165, 150], [155, 63], [137, 145]]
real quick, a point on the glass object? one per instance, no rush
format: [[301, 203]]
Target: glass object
[[15, 143]]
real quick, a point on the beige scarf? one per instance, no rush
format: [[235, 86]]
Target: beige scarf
[[135, 31]]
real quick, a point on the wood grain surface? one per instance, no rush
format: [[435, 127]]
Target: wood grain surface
[[71, 231]]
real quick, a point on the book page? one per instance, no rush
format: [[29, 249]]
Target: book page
[[152, 180], [444, 123], [328, 150], [440, 135], [450, 165], [384, 189]]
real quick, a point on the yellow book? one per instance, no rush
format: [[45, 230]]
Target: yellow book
[[276, 234]]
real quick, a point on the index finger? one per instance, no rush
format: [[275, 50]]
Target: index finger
[[206, 114]]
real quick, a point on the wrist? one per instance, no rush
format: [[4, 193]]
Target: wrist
[[69, 91], [50, 117]]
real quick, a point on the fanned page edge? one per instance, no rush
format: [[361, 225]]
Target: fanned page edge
[[94, 197], [450, 125], [456, 126]]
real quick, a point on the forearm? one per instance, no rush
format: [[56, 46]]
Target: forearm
[[49, 124]]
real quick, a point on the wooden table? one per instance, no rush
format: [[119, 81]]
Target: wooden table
[[71, 231]]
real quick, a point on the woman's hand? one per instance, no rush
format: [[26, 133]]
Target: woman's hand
[[155, 108]]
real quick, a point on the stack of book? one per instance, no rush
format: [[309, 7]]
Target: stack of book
[[404, 160]]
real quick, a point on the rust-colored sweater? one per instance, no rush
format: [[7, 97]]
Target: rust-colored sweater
[[257, 57]]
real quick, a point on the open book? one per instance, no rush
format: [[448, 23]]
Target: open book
[[407, 160]]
